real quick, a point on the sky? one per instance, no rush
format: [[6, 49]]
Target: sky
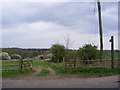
[[42, 24]]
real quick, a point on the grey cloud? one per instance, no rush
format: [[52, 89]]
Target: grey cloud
[[64, 13], [72, 16]]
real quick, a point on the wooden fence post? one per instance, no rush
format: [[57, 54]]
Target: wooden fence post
[[30, 63], [64, 64], [112, 52], [20, 63]]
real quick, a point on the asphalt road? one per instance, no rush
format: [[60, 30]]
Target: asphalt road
[[61, 82]]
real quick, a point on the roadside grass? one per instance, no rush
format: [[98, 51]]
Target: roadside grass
[[16, 73], [93, 71], [44, 72]]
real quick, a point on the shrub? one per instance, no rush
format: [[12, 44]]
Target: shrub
[[88, 52], [58, 52], [15, 56], [4, 56]]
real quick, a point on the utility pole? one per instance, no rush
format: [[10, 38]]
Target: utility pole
[[100, 28]]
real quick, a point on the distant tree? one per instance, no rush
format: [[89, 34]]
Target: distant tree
[[58, 52], [15, 56], [36, 53], [88, 52], [4, 56], [68, 42]]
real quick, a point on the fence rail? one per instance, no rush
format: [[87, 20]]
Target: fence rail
[[10, 65], [68, 64], [98, 63], [13, 65]]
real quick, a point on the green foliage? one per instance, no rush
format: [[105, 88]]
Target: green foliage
[[71, 54], [58, 52], [15, 56], [4, 56], [44, 72], [88, 52]]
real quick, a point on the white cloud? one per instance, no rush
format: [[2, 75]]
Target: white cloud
[[42, 24], [44, 34]]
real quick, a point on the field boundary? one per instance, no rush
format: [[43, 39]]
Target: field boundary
[[19, 65]]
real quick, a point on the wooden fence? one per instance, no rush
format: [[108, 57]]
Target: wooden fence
[[71, 64], [15, 65], [99, 63]]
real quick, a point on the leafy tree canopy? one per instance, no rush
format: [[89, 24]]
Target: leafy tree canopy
[[88, 52], [58, 52]]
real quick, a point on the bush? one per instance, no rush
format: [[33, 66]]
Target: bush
[[4, 56], [15, 56], [88, 52], [58, 52]]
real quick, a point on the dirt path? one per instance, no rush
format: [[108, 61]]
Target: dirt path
[[52, 72], [58, 81], [37, 69], [36, 76]]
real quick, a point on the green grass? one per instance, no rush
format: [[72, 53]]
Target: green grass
[[16, 73], [93, 71], [44, 72]]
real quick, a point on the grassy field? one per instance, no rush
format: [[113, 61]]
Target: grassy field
[[107, 55]]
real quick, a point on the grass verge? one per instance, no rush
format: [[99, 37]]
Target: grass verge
[[93, 71], [16, 73]]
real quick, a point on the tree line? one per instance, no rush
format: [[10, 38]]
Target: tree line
[[57, 52], [25, 53]]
